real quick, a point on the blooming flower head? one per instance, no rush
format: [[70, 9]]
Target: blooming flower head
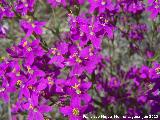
[[102, 5], [30, 50], [35, 111], [32, 27], [55, 3], [79, 87], [24, 6], [5, 10], [155, 71], [154, 8], [75, 110], [114, 82], [83, 60]]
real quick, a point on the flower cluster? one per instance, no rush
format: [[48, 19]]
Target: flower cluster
[[78, 75]]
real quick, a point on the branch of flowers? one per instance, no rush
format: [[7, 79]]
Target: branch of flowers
[[18, 17]]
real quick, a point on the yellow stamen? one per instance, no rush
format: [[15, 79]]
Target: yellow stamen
[[54, 50], [2, 58], [19, 82], [78, 60], [29, 49], [76, 86], [30, 70], [158, 70], [75, 111], [106, 21], [30, 87], [24, 44], [26, 5], [50, 81], [30, 106], [33, 25]]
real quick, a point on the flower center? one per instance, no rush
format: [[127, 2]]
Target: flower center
[[75, 111], [78, 91], [78, 60], [106, 21], [2, 89], [24, 44], [158, 70], [156, 6], [33, 25], [30, 106], [30, 87], [91, 33], [26, 5], [43, 93], [76, 86], [29, 49], [50, 82], [30, 70], [19, 82], [54, 51]]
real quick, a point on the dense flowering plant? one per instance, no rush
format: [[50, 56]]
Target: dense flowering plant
[[103, 58]]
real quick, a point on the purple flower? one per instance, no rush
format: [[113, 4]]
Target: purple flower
[[137, 31], [24, 6], [31, 50], [149, 53], [44, 83], [6, 11], [55, 3], [34, 72], [57, 58], [102, 5], [78, 87], [86, 60], [155, 71], [104, 22], [133, 6], [75, 110], [32, 27], [114, 82], [35, 110], [6, 89], [154, 8]]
